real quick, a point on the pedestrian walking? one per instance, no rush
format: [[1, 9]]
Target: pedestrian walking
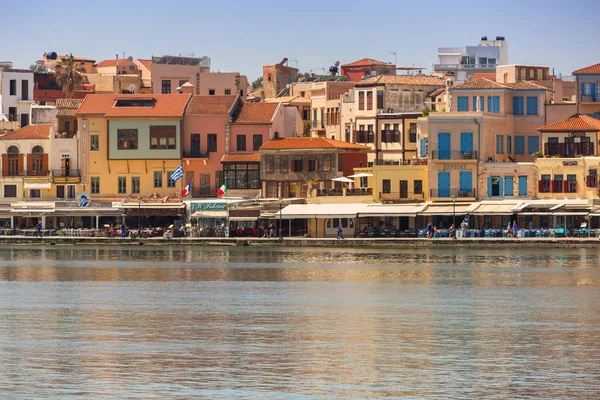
[[340, 232], [515, 229], [429, 231], [38, 229], [509, 230]]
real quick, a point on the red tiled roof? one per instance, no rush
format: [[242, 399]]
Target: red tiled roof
[[482, 83], [67, 107], [211, 105], [29, 132], [256, 113], [113, 63], [576, 123], [365, 61], [525, 85], [146, 63], [310, 143], [491, 76], [241, 157], [437, 92], [166, 105], [402, 80], [591, 70]]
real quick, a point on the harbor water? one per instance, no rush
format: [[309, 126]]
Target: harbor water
[[299, 323]]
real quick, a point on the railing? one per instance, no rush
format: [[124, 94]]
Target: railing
[[316, 124], [408, 195], [567, 150], [449, 193], [453, 155], [349, 192], [195, 154], [390, 136], [364, 137], [589, 98], [10, 172], [591, 181], [545, 186], [203, 191], [66, 173], [438, 67]]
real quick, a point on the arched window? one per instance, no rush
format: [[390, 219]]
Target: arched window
[[13, 160], [37, 159], [523, 74]]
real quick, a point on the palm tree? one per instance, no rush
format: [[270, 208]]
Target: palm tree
[[68, 74]]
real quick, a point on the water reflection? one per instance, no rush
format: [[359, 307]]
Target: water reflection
[[273, 323]]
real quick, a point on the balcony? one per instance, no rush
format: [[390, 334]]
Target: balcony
[[463, 67], [557, 186], [364, 137], [449, 193], [402, 196], [568, 150], [453, 155], [316, 124], [65, 134], [32, 173], [66, 175], [195, 154], [589, 99], [390, 136]]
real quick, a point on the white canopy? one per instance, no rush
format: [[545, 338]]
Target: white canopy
[[360, 175], [37, 185], [343, 179]]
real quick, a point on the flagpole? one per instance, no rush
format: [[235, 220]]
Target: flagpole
[[226, 206]]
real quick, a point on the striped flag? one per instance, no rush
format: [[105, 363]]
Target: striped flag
[[177, 174]]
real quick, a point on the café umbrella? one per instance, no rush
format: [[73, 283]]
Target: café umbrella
[[344, 180]]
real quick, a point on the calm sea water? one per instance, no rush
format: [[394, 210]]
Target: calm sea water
[[231, 322]]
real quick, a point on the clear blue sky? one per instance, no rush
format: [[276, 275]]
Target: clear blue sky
[[243, 35]]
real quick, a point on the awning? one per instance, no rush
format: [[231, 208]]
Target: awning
[[243, 218], [37, 185], [450, 209], [209, 214], [392, 210], [151, 205], [567, 213], [32, 211], [494, 209], [301, 211]]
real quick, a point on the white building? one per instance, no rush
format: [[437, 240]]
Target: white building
[[466, 61], [16, 94]]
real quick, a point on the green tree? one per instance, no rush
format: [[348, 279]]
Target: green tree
[[69, 74], [257, 83]]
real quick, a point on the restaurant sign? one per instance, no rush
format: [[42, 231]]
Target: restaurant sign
[[208, 206]]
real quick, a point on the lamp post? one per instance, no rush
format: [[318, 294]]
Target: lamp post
[[454, 216], [280, 220], [139, 214]]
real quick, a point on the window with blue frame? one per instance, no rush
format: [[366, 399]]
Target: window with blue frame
[[495, 186], [519, 145], [462, 103], [533, 144], [499, 144], [522, 186], [518, 105], [532, 105], [508, 185], [493, 104]]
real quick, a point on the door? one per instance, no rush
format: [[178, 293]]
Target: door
[[403, 189], [466, 144], [443, 184], [465, 183], [443, 146], [66, 167], [205, 184], [195, 144]]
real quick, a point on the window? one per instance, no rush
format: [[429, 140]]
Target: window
[[166, 87], [586, 89], [531, 73], [257, 141], [462, 103], [418, 187], [35, 193], [158, 176], [242, 175], [227, 91], [10, 190], [13, 161], [241, 93], [211, 142], [127, 139], [519, 145], [364, 181], [283, 164], [483, 60], [94, 143], [494, 104], [379, 99], [522, 186], [533, 144], [312, 164], [37, 159], [135, 184], [163, 137], [545, 184], [369, 100], [508, 144], [557, 185], [241, 143], [571, 184], [326, 163], [170, 182], [25, 89], [523, 74], [60, 191], [499, 144], [494, 186], [361, 100], [13, 87], [181, 82], [412, 133], [122, 184], [211, 92], [532, 105], [370, 133], [348, 136], [195, 144], [491, 61], [95, 185], [269, 164], [540, 74], [386, 186], [297, 164], [70, 191], [518, 105]]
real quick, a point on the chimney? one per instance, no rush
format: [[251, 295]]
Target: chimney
[[186, 88]]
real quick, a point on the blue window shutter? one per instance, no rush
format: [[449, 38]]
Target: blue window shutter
[[496, 104], [474, 103], [465, 181], [533, 144], [520, 145], [466, 142], [593, 85], [489, 104], [532, 105], [508, 186], [443, 184], [443, 146], [522, 186], [463, 103], [501, 186], [423, 148], [489, 187], [518, 105]]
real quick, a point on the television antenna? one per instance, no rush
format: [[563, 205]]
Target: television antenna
[[394, 53]]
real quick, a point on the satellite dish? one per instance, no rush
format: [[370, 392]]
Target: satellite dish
[[287, 86], [131, 88], [130, 58], [337, 63]]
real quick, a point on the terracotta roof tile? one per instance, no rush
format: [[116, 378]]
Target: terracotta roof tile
[[256, 113], [113, 63], [482, 83], [576, 123], [165, 105], [437, 92], [146, 63], [525, 85], [29, 132], [591, 70], [67, 107], [365, 61], [241, 157], [211, 105], [310, 143], [402, 80], [491, 76]]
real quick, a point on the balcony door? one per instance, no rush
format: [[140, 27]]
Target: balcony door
[[443, 184], [465, 182], [443, 146], [65, 166], [195, 144], [403, 189], [466, 143]]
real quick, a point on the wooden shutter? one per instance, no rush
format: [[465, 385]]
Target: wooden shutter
[[4, 164], [29, 163], [45, 163], [21, 165]]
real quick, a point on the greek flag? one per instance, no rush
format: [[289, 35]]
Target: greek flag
[[177, 174]]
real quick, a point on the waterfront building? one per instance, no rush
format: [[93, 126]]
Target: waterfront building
[[16, 95], [466, 61], [145, 68], [366, 68], [588, 90]]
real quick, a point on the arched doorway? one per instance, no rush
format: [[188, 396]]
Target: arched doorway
[[13, 166], [37, 160]]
